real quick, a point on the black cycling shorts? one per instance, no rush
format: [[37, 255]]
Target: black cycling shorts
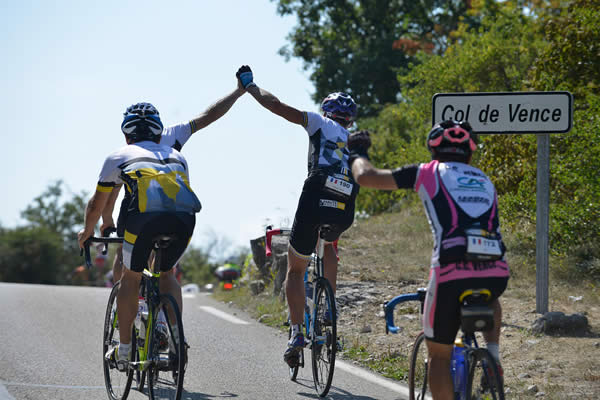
[[316, 208], [122, 218], [141, 229], [446, 307]]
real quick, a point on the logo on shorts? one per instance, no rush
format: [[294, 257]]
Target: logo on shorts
[[332, 204]]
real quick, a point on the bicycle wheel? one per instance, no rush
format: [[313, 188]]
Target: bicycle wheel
[[117, 383], [419, 366], [294, 371], [166, 372], [484, 378], [324, 337]]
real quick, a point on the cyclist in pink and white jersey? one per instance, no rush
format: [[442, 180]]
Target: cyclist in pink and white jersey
[[462, 207]]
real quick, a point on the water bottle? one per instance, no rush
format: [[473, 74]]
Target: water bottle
[[458, 367], [141, 318]]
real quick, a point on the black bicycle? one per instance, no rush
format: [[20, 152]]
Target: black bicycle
[[158, 355], [320, 317], [475, 374]]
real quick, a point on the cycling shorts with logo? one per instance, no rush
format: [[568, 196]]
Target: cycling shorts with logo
[[441, 314], [141, 229], [317, 207]]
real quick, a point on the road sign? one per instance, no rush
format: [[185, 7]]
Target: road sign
[[507, 112]]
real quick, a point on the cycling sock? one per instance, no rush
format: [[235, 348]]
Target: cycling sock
[[123, 352], [494, 349], [295, 330]]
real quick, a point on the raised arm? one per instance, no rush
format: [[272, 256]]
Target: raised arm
[[268, 100], [216, 110]]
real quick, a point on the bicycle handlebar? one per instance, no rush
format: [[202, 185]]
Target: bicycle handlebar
[[389, 306], [270, 232], [93, 239]]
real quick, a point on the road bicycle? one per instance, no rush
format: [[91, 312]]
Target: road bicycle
[[159, 359], [320, 316], [475, 373]]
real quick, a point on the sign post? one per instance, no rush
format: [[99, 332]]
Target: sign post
[[519, 113]]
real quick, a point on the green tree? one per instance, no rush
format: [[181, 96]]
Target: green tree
[[31, 255], [358, 46]]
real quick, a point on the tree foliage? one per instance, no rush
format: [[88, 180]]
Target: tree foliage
[[358, 46]]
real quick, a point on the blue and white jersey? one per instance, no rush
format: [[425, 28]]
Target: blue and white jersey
[[176, 136], [328, 150]]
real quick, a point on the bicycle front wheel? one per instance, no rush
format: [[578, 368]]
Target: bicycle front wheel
[[117, 383], [324, 337], [419, 367], [168, 354], [484, 381]]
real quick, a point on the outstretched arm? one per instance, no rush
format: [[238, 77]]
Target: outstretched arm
[[268, 100], [363, 171], [216, 110]]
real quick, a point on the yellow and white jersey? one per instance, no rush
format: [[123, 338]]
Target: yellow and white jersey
[[156, 175]]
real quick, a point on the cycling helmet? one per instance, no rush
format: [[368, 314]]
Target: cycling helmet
[[452, 137], [339, 105], [141, 121]]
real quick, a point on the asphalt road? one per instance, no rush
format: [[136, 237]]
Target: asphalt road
[[51, 348]]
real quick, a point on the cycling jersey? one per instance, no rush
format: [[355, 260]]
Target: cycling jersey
[[174, 136], [155, 175], [329, 191]]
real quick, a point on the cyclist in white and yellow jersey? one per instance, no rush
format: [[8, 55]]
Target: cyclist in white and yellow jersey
[[162, 202], [174, 136]]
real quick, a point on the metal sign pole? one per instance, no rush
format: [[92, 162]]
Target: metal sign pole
[[542, 221]]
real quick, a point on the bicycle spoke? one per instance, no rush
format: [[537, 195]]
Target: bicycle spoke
[[324, 341]]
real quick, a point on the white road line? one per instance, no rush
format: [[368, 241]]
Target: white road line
[[4, 395], [361, 373], [45, 386], [223, 315]]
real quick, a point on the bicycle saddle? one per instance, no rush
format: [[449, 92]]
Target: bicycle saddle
[[475, 311], [164, 241]]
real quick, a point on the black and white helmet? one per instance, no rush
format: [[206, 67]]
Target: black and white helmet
[[141, 121]]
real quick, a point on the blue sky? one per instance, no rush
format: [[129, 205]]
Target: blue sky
[[70, 69]]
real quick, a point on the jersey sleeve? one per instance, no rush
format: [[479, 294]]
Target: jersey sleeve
[[312, 122], [176, 136], [406, 177], [110, 174]]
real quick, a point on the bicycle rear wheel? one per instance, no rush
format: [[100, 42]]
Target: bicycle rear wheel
[[117, 383], [167, 370], [484, 377], [324, 337], [419, 367]]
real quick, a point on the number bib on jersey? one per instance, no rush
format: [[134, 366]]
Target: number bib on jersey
[[482, 248], [339, 186]]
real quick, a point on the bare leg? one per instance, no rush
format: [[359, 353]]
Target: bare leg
[[294, 286], [330, 264], [127, 303], [118, 264], [439, 378], [168, 284]]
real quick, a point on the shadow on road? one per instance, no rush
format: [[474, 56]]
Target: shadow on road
[[334, 394]]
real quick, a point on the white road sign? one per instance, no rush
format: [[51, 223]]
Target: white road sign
[[507, 112]]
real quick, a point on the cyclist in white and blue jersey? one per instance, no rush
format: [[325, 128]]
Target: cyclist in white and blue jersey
[[328, 194]]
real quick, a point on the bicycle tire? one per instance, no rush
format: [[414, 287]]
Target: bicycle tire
[[167, 370], [418, 372], [324, 337], [118, 384], [484, 381], [293, 371]]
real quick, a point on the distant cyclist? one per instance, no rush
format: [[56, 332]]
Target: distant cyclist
[[157, 177], [327, 197], [174, 136], [462, 207]]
